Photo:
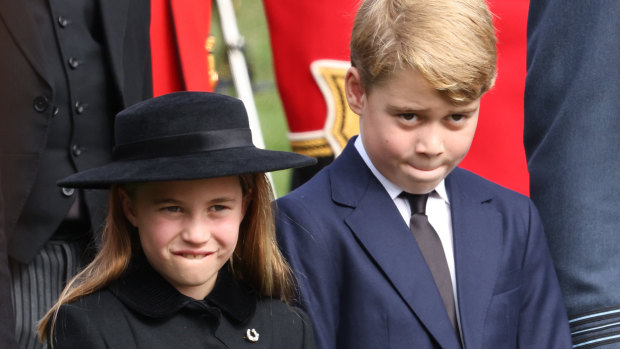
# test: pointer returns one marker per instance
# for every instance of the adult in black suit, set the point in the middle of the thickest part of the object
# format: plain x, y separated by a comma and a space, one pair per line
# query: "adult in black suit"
571, 140
67, 67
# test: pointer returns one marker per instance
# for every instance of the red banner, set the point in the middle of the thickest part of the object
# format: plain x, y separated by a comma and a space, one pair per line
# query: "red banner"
310, 44
180, 46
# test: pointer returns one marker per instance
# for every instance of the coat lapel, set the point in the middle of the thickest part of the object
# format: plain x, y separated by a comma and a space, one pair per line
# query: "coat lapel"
381, 231
114, 19
23, 28
477, 235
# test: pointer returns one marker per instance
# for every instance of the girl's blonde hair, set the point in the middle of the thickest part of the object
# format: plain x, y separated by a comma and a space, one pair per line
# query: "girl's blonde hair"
257, 261
450, 42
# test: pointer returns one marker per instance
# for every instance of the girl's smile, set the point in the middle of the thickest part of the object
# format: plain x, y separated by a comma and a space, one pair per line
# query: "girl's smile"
188, 229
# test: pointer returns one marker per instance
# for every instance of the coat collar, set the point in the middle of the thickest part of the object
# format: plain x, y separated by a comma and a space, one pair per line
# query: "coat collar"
476, 228
145, 291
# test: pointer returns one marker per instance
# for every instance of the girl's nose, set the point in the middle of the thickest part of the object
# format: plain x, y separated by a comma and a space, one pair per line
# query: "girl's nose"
196, 232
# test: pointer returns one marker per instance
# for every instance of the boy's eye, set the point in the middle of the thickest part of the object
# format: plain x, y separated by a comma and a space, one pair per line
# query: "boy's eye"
457, 117
408, 116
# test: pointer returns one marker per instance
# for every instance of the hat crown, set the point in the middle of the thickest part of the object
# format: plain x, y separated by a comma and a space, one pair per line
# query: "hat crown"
177, 114
183, 136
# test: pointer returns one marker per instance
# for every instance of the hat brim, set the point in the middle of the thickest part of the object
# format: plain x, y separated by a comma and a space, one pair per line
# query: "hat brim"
218, 163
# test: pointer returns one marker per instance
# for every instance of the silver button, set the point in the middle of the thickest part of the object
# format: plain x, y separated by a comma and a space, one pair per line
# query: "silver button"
74, 62
79, 107
63, 21
77, 151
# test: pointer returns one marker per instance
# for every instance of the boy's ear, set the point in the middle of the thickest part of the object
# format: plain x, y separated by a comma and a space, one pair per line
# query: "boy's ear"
354, 90
128, 208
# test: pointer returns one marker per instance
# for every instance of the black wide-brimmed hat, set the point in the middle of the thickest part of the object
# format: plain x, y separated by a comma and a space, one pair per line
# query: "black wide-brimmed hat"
183, 136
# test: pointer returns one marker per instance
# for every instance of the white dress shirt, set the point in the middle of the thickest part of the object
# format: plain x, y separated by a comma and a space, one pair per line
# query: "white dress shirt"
437, 210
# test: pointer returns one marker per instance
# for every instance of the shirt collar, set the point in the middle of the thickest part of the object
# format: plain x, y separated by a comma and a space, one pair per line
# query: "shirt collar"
144, 290
392, 189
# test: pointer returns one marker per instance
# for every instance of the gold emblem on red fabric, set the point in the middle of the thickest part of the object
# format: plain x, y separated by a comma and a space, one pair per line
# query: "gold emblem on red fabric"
340, 123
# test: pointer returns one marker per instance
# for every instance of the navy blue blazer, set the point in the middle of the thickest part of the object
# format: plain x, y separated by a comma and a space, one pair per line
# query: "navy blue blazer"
364, 282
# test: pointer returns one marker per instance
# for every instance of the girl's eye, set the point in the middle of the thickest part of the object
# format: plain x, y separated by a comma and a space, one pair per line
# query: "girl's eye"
217, 208
173, 209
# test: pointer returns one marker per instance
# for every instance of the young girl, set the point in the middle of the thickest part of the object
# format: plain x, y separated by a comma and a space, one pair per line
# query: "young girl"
188, 255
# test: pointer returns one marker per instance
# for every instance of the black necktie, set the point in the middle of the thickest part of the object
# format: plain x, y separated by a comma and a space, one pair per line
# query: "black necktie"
432, 250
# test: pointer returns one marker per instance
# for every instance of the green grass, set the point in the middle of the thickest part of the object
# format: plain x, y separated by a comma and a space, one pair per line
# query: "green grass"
252, 25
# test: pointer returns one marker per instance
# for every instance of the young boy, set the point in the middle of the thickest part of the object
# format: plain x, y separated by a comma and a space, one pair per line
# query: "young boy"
372, 272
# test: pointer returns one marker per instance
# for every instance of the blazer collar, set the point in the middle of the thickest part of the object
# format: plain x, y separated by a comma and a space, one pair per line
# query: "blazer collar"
381, 231
144, 290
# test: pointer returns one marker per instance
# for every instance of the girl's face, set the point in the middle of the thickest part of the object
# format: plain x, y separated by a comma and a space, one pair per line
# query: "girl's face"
188, 229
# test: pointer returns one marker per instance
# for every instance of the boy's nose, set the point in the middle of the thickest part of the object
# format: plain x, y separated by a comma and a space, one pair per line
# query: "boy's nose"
429, 142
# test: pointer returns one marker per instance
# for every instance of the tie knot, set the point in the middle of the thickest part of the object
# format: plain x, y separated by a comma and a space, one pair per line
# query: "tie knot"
417, 202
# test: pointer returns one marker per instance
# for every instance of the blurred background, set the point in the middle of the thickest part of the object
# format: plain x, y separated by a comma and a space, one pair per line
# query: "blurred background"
252, 25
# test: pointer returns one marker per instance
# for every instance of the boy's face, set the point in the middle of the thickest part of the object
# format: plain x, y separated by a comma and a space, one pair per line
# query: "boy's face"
188, 229
412, 135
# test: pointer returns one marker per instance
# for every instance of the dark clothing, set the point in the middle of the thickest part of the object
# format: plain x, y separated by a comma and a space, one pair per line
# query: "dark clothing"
142, 310
571, 137
37, 285
36, 104
67, 67
365, 283
7, 329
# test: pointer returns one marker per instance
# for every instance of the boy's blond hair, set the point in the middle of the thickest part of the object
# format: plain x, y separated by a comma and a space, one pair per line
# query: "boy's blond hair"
450, 42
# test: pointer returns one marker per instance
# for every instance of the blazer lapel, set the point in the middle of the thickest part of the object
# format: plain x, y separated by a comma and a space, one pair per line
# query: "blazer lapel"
382, 232
23, 28
477, 232
114, 20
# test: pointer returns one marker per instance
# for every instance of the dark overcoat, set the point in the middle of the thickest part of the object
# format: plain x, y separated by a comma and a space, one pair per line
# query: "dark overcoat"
142, 310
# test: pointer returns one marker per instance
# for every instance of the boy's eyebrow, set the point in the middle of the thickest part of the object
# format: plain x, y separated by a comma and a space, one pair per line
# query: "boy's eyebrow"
393, 109
465, 109
404, 109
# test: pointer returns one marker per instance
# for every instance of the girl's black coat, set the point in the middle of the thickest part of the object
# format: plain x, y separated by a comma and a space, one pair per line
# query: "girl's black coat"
142, 310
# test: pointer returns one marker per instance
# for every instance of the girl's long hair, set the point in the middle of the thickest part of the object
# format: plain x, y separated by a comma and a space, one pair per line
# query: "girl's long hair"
117, 242
256, 260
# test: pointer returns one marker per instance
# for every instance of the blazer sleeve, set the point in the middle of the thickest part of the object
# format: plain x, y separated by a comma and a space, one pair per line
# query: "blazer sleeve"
74, 328
543, 321
302, 238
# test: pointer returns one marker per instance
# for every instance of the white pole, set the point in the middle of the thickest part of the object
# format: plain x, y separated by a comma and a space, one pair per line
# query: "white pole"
239, 71
238, 66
